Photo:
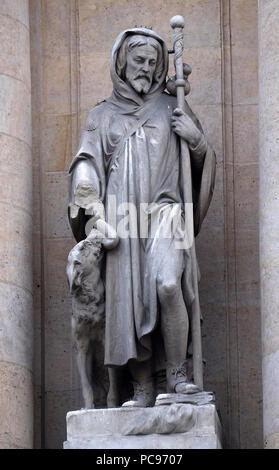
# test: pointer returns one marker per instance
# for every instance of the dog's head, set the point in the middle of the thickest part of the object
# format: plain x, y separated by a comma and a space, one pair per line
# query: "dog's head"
82, 260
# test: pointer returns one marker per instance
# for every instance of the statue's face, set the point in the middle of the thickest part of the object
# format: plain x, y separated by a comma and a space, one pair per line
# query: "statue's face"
140, 67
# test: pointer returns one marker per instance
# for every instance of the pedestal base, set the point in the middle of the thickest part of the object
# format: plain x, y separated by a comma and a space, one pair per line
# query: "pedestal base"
175, 426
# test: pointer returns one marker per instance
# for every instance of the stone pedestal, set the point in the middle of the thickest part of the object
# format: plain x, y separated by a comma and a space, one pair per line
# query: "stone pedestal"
175, 426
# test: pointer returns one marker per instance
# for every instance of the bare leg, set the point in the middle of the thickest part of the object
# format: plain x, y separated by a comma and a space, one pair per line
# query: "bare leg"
174, 323
175, 328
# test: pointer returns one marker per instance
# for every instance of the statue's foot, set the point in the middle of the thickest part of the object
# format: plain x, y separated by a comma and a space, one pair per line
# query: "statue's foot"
186, 387
177, 381
137, 404
143, 396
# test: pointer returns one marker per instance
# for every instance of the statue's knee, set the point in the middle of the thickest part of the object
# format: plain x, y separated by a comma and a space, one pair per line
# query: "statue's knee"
167, 290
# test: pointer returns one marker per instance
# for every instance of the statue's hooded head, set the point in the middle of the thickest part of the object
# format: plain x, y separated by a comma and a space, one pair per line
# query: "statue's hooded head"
139, 63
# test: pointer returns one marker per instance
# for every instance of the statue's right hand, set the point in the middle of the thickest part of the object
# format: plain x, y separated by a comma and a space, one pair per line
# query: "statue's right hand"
110, 243
111, 239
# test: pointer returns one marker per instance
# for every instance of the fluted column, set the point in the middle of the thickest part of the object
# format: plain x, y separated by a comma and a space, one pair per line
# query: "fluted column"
16, 310
269, 213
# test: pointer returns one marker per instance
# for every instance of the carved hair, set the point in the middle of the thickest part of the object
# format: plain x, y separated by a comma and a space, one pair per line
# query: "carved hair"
137, 40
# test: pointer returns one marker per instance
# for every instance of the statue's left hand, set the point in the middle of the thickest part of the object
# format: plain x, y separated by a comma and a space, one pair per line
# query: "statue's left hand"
183, 126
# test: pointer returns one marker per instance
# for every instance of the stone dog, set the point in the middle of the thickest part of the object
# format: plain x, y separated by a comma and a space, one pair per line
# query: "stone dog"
88, 310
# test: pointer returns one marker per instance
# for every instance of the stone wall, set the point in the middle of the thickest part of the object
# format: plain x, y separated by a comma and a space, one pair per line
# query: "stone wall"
16, 312
71, 42
269, 205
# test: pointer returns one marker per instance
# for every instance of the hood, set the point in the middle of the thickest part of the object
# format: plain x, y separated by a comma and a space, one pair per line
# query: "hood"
121, 90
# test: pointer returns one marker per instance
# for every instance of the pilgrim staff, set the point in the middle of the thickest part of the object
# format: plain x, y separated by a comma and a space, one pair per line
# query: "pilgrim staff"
177, 24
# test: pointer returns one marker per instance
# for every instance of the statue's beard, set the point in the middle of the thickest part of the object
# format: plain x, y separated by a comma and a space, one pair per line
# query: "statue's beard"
141, 84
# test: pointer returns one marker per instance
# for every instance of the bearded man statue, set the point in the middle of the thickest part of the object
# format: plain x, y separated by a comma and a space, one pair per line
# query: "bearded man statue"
130, 153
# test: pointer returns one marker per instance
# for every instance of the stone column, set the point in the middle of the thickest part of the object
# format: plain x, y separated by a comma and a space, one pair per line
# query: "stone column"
16, 310
269, 213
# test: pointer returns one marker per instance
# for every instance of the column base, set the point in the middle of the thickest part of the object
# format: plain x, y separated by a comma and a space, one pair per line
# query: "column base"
175, 426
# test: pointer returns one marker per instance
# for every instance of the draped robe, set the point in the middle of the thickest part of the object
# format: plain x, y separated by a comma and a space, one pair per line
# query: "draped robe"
132, 154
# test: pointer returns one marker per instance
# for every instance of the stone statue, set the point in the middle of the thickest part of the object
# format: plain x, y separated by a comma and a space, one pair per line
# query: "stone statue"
143, 156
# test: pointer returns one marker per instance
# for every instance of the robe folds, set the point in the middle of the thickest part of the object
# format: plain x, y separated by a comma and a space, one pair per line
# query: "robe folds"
132, 155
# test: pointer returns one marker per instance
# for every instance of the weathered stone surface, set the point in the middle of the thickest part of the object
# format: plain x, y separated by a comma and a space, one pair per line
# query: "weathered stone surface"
245, 85
244, 17
57, 404
15, 247
16, 311
16, 325
205, 79
13, 54
269, 207
175, 419
16, 9
16, 158
16, 406
16, 190
56, 85
58, 337
56, 185
246, 136
56, 21
15, 108
56, 140
180, 426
